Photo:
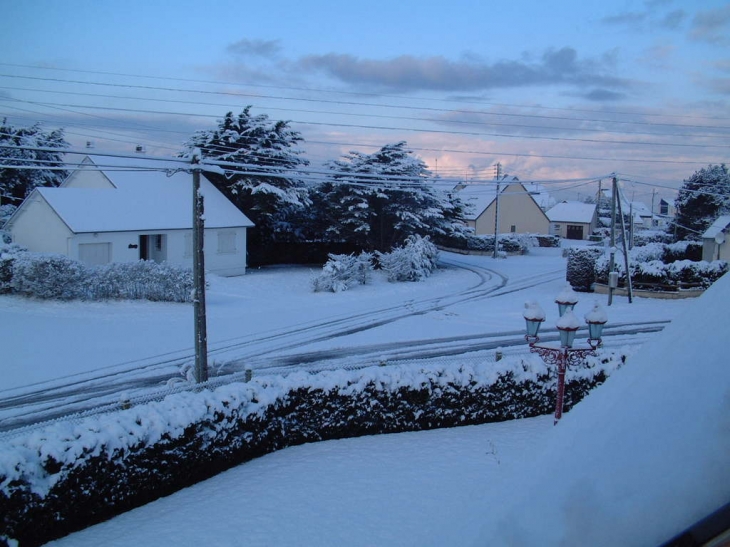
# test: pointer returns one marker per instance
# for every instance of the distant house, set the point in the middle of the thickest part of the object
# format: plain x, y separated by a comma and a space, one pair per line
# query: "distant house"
108, 212
715, 245
573, 220
519, 212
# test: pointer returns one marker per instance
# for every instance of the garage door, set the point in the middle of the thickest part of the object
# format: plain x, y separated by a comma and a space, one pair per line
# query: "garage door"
574, 232
95, 254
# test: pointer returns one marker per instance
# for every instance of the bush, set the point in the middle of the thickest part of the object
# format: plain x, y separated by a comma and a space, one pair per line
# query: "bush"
341, 272
581, 268
415, 261
49, 276
682, 250
58, 277
652, 236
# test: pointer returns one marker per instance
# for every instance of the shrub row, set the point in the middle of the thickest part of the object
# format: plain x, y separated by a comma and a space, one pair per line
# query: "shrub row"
70, 476
508, 243
658, 266
50, 276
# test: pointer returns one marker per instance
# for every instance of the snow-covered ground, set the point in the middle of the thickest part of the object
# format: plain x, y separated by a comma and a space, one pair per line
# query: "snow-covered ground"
608, 474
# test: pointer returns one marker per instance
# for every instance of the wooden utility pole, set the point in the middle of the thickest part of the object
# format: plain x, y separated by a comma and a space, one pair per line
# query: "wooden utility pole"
496, 210
200, 327
625, 249
612, 249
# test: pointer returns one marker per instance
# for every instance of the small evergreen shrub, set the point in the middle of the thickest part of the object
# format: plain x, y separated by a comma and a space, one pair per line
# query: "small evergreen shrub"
341, 272
415, 261
581, 267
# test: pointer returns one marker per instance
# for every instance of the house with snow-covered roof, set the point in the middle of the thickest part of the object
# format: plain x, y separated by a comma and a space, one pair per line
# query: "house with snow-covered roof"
519, 212
573, 220
124, 210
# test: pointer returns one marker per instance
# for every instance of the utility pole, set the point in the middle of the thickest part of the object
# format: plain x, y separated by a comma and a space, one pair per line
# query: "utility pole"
498, 168
200, 328
612, 249
625, 249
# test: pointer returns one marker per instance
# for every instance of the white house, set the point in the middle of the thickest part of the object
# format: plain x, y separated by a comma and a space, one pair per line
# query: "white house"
573, 220
519, 212
715, 244
111, 211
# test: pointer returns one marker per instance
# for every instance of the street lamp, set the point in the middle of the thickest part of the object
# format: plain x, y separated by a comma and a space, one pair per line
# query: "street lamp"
567, 325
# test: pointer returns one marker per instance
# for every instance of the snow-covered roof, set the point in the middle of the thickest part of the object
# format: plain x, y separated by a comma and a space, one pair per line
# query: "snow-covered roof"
572, 211
540, 194
716, 227
477, 197
142, 200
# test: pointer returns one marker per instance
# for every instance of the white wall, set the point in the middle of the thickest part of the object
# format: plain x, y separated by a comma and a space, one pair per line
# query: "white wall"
87, 178
39, 228
516, 208
125, 248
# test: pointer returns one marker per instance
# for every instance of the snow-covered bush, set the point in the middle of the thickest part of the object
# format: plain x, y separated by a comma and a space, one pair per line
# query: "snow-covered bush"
682, 250
49, 276
341, 272
652, 236
655, 274
508, 243
415, 261
71, 475
58, 277
581, 268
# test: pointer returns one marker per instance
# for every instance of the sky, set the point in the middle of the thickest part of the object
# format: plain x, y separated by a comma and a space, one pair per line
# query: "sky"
639, 88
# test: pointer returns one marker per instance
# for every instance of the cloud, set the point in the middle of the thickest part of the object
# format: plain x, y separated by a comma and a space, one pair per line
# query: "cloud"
652, 16
673, 20
720, 85
712, 26
604, 95
627, 18
255, 48
410, 73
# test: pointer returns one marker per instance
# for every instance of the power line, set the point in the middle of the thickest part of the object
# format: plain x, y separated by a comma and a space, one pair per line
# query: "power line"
370, 115
360, 93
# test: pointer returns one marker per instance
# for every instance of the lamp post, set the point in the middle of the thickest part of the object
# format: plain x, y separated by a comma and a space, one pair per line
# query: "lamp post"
567, 325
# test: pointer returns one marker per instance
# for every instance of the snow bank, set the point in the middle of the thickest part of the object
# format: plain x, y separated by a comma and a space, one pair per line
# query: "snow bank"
642, 458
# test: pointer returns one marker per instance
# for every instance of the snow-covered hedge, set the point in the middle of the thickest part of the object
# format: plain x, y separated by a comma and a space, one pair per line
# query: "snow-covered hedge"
51, 276
71, 475
508, 243
341, 272
645, 237
650, 269
414, 261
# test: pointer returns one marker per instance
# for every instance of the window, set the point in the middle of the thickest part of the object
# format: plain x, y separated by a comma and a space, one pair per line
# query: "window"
226, 242
188, 252
513, 228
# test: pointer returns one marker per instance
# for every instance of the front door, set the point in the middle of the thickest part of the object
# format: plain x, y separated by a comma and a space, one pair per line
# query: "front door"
153, 247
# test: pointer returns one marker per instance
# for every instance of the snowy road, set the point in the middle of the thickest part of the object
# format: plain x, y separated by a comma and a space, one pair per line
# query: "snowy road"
462, 309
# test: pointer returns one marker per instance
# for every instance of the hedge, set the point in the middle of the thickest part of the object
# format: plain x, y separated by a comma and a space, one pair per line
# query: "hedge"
70, 476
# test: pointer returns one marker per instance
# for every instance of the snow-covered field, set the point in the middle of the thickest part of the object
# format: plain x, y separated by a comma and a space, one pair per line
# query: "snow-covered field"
607, 475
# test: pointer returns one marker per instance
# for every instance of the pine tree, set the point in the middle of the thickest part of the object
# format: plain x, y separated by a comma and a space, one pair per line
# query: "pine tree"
701, 199
377, 200
15, 183
264, 188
